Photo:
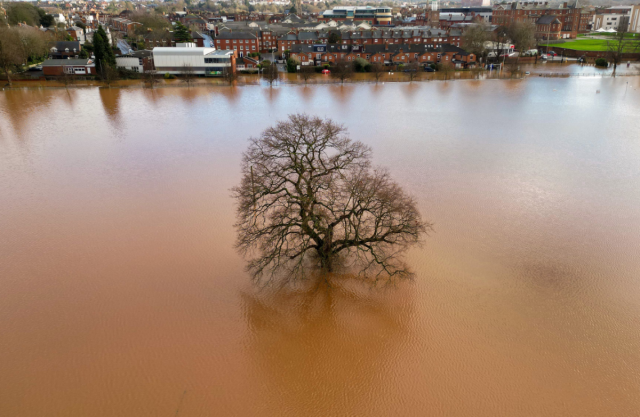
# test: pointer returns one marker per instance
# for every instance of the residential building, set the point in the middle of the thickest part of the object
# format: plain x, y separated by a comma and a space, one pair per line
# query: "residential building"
247, 64
77, 34
57, 67
242, 42
383, 54
66, 49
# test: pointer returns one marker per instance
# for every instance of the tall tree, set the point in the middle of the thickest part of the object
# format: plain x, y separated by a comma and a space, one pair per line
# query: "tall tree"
22, 12
11, 51
102, 51
621, 44
475, 38
309, 196
500, 40
181, 33
522, 34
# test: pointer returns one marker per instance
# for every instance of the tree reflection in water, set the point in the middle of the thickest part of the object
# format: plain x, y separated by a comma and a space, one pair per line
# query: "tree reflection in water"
327, 348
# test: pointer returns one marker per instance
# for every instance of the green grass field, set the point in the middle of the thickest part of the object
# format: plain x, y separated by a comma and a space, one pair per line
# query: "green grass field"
592, 45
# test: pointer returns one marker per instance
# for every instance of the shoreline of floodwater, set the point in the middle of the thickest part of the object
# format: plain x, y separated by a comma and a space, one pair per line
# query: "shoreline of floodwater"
294, 79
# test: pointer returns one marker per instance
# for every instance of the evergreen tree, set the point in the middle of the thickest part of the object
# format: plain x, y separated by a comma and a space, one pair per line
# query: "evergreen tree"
181, 33
102, 50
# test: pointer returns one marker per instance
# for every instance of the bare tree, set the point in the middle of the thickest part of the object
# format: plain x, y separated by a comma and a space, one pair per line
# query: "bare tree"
620, 44
307, 72
412, 69
11, 51
270, 73
446, 69
500, 40
188, 75
151, 78
522, 34
310, 197
475, 38
34, 43
377, 69
342, 70
109, 75
229, 75
66, 79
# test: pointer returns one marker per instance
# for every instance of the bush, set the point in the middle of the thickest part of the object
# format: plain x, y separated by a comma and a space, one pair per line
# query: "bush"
292, 64
601, 62
360, 64
168, 76
265, 63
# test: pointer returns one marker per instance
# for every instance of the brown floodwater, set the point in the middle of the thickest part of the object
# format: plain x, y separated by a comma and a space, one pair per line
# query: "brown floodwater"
121, 293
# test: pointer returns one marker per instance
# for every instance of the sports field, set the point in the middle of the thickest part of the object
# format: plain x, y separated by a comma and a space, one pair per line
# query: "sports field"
593, 45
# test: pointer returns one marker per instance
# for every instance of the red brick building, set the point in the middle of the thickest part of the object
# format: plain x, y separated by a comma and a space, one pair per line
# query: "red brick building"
569, 16
382, 54
244, 43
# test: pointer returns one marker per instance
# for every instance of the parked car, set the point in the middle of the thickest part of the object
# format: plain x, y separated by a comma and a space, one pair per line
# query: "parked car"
544, 56
326, 71
582, 59
427, 68
552, 54
410, 70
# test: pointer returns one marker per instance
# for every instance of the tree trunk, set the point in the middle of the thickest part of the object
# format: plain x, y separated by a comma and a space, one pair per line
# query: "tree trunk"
6, 71
325, 253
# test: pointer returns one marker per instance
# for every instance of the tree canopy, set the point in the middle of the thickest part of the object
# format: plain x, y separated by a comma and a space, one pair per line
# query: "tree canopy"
181, 33
310, 197
102, 50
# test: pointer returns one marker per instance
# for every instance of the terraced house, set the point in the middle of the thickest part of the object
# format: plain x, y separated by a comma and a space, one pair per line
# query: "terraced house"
383, 54
242, 42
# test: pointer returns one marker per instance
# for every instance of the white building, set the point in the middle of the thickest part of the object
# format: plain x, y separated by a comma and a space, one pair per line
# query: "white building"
202, 61
134, 61
634, 23
612, 18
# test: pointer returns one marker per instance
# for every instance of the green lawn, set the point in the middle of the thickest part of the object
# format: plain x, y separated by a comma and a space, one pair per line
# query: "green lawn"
592, 45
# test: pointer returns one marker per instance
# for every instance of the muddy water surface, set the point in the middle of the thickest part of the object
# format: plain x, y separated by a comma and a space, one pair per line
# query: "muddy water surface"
121, 293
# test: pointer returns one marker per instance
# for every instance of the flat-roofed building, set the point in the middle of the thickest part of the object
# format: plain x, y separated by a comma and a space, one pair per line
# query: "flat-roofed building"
369, 14
200, 61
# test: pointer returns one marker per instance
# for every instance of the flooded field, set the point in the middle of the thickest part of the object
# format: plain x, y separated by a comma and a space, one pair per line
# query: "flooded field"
121, 293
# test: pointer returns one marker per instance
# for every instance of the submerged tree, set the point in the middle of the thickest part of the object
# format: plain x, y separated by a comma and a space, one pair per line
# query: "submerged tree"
309, 197
620, 44
342, 70
270, 73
